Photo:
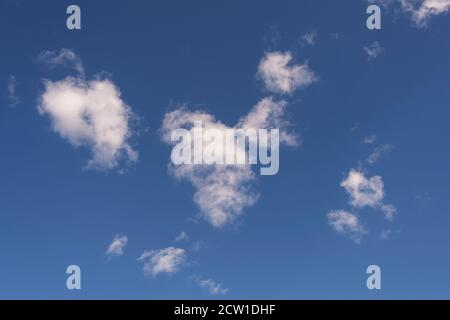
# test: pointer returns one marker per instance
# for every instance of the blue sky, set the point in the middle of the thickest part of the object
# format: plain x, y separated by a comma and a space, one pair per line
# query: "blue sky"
55, 211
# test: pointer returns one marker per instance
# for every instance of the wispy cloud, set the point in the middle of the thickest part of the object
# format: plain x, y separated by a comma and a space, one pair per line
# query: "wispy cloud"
168, 260
385, 234
377, 153
212, 286
12, 95
182, 237
369, 139
346, 224
424, 197
355, 127
223, 191
373, 50
117, 246
308, 38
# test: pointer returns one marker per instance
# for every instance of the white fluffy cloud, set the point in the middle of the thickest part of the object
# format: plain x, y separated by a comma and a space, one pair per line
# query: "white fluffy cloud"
279, 76
91, 114
223, 191
346, 223
373, 50
421, 10
367, 192
168, 260
212, 286
64, 57
117, 246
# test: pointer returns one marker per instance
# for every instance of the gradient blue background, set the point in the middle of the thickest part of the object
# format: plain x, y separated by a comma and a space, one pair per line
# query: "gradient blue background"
205, 53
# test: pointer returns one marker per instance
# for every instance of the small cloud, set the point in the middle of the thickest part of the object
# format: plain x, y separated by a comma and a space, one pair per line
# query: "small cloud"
377, 152
168, 260
279, 76
12, 88
308, 38
354, 127
347, 224
117, 246
363, 191
370, 139
421, 11
64, 57
182, 237
389, 211
387, 234
222, 192
272, 37
374, 50
367, 192
212, 286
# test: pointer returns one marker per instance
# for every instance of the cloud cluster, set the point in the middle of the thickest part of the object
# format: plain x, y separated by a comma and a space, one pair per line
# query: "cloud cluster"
369, 139
363, 192
183, 236
279, 76
168, 260
117, 246
224, 191
90, 114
